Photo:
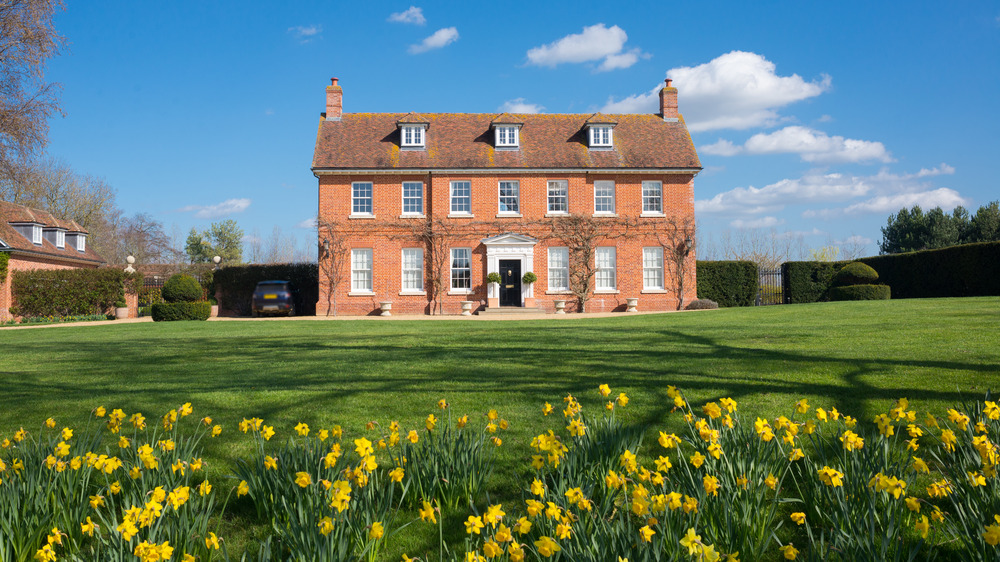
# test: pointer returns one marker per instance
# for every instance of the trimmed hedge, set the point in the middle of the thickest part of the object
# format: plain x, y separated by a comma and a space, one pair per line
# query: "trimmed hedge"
68, 292
171, 311
860, 293
969, 270
235, 285
182, 288
729, 283
855, 273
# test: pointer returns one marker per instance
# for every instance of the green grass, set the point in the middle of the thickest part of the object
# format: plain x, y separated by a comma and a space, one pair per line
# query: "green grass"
857, 356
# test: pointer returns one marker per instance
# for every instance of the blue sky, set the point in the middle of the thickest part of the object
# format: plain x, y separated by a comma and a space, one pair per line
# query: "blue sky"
813, 121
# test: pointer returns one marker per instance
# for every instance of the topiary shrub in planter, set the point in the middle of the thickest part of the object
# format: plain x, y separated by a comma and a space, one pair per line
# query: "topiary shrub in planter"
855, 273
182, 288
170, 311
860, 293
702, 304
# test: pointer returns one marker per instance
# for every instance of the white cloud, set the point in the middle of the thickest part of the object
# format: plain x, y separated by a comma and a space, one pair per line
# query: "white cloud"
774, 197
518, 105
440, 38
737, 90
594, 43
942, 197
762, 222
305, 33
825, 119
943, 169
811, 145
308, 224
227, 207
854, 239
412, 15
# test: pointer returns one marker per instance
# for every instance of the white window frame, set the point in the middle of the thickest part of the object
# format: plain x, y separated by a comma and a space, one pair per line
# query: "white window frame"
412, 271
36, 234
516, 198
464, 254
419, 198
81, 242
60, 239
467, 198
412, 136
605, 261
652, 197
601, 136
558, 255
562, 185
362, 266
652, 268
601, 199
507, 136
358, 202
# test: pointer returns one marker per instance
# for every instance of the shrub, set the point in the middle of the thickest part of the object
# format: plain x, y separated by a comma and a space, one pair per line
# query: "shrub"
529, 278
170, 311
729, 283
235, 284
807, 281
493, 277
860, 293
67, 292
855, 273
182, 288
702, 304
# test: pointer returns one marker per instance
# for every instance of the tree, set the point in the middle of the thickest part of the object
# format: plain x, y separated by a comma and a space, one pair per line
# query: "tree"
27, 40
223, 239
678, 239
912, 230
334, 260
985, 224
766, 248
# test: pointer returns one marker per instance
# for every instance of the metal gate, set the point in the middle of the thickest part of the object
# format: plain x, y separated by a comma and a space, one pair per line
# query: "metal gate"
770, 289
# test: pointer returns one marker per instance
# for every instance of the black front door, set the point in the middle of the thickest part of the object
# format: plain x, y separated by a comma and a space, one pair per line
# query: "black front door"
510, 282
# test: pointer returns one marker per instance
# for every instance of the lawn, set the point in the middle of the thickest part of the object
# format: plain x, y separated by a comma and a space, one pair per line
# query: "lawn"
859, 357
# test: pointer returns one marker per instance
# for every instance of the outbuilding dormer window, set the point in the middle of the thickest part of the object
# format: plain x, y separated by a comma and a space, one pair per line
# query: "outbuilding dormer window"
506, 136
60, 239
413, 136
81, 242
601, 136
36, 234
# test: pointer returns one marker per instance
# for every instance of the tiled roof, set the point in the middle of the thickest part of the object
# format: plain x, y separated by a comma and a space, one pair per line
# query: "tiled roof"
12, 240
465, 140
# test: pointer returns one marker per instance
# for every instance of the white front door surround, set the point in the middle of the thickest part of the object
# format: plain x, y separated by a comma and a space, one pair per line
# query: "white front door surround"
510, 246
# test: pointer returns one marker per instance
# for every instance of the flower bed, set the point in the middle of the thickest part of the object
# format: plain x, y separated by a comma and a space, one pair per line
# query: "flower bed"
816, 484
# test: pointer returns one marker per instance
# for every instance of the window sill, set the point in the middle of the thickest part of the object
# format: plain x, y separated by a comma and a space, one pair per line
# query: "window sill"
506, 147
556, 214
602, 147
412, 216
361, 294
413, 147
461, 216
606, 292
365, 216
459, 292
558, 292
509, 215
412, 293
650, 214
653, 292
606, 215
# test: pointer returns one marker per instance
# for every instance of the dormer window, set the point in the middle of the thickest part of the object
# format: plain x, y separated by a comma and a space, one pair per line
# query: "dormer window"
506, 136
81, 242
36, 234
601, 136
413, 136
60, 239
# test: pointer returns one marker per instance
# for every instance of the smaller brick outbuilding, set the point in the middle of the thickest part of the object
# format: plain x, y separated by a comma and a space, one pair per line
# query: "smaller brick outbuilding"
35, 239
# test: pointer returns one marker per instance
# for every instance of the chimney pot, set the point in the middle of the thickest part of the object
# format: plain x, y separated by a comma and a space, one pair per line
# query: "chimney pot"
333, 81
668, 81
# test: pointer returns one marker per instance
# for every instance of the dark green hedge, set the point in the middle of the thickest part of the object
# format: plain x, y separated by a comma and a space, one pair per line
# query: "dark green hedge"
235, 285
855, 273
969, 270
182, 288
729, 283
170, 311
68, 292
860, 293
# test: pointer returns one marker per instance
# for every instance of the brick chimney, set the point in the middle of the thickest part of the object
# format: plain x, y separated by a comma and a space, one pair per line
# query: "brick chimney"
335, 101
668, 102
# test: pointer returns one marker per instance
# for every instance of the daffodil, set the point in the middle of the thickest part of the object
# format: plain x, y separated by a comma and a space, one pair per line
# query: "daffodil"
546, 546
799, 517
691, 541
789, 552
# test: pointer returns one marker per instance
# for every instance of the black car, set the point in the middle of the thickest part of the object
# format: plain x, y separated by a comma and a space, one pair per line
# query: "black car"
274, 297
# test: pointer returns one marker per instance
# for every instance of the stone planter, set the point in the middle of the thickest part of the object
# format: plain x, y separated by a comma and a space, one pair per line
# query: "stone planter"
215, 311
466, 308
631, 303
560, 307
121, 312
386, 307
529, 302
493, 302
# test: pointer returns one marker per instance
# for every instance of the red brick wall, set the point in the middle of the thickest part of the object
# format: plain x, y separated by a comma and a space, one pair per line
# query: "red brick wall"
335, 206
19, 262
